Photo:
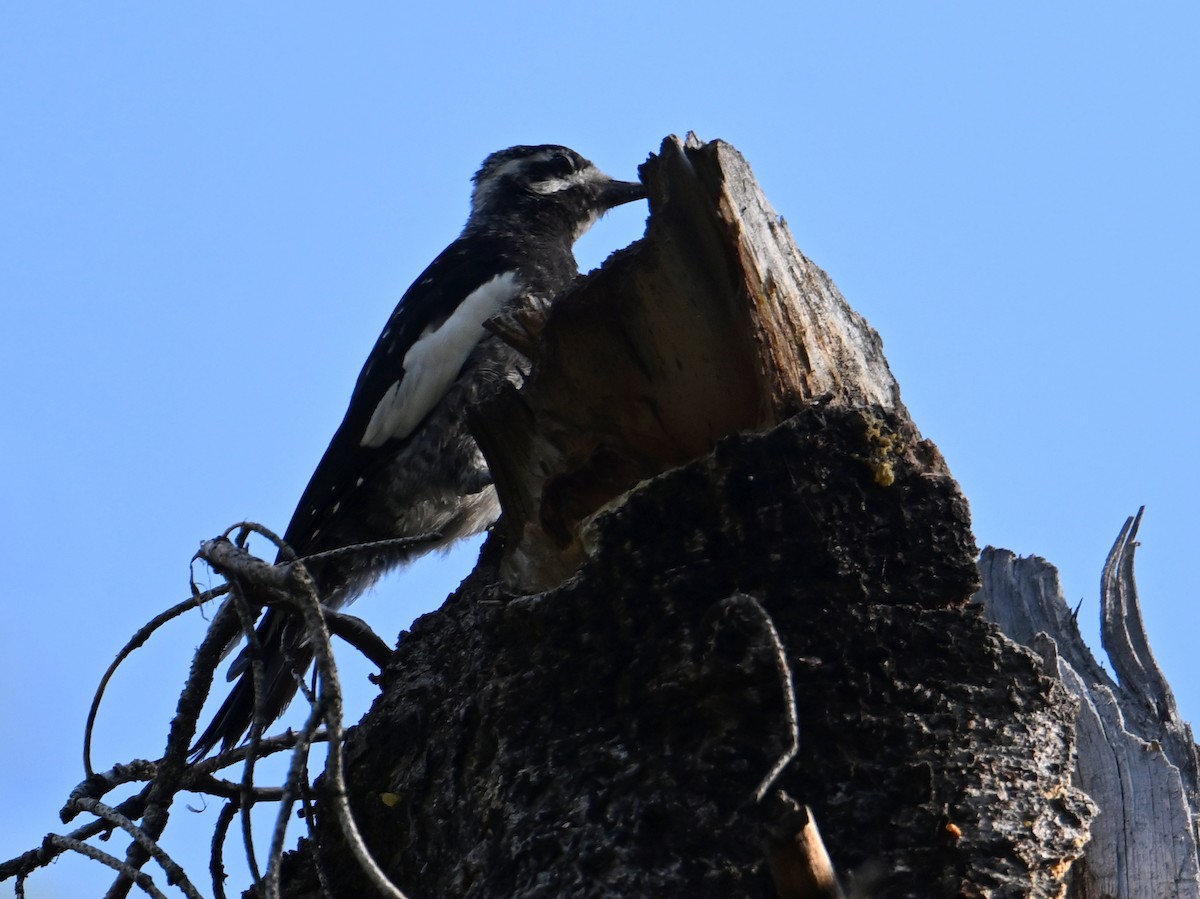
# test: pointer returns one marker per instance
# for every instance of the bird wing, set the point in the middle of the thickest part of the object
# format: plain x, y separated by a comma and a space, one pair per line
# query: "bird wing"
432, 363
418, 355
420, 352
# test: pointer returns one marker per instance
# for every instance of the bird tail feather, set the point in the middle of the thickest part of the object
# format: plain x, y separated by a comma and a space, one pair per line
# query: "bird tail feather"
284, 659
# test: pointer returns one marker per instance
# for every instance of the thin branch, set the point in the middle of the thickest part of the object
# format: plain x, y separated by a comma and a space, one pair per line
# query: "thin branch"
330, 696
135, 642
216, 863
287, 584
98, 785
258, 682
197, 779
789, 695
227, 789
296, 775
246, 528
129, 874
358, 634
314, 840
175, 874
357, 549
30, 861
266, 746
310, 609
183, 727
273, 583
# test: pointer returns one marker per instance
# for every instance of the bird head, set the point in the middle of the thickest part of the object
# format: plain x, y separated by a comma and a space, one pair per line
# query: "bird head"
544, 188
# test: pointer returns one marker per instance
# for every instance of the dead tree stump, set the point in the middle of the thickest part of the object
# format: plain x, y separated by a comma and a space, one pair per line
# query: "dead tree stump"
709, 451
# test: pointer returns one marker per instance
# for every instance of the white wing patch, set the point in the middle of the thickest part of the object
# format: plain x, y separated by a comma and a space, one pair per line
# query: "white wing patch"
434, 361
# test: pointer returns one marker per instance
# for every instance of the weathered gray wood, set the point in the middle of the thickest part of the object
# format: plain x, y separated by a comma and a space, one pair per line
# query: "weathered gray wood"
1136, 757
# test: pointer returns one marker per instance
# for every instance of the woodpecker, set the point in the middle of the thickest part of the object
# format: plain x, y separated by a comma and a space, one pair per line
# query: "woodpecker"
403, 463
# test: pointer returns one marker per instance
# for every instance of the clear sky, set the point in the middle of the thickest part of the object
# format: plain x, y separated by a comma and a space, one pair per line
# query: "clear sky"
209, 211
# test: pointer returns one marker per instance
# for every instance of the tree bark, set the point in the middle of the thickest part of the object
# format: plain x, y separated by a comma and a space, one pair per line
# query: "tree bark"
1137, 757
710, 461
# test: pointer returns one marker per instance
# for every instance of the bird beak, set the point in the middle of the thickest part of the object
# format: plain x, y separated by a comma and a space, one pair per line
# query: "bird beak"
616, 193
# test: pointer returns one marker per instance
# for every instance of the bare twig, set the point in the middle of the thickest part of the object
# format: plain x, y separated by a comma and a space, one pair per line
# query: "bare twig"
197, 779
357, 549
240, 567
789, 695
330, 698
175, 874
300, 596
174, 761
129, 873
287, 584
135, 642
358, 634
227, 789
314, 841
325, 704
97, 785
293, 586
231, 559
248, 617
297, 775
216, 863
30, 861
266, 746
246, 528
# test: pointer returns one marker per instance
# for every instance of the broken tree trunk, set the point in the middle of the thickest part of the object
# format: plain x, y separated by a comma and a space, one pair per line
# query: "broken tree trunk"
719, 523
1136, 756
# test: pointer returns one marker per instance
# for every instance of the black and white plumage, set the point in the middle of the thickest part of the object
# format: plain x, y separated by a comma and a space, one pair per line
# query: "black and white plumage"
403, 463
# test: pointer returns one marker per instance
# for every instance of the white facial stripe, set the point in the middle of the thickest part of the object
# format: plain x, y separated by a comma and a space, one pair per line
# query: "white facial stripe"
434, 361
485, 187
554, 185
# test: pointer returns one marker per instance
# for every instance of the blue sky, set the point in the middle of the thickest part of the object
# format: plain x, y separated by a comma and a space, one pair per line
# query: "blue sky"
209, 212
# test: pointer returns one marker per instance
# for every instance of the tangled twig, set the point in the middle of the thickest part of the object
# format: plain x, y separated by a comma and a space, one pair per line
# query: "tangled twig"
335, 768
174, 873
129, 873
289, 586
136, 641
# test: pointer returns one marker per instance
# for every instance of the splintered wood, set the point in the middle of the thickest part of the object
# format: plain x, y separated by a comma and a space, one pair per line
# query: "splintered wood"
713, 323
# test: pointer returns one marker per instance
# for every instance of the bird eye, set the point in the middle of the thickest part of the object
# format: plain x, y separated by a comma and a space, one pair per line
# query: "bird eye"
562, 164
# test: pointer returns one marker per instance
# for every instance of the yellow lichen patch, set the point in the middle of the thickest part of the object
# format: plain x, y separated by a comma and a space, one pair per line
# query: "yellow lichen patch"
885, 474
884, 448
